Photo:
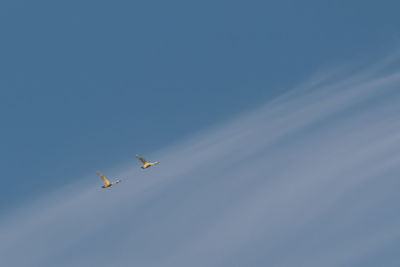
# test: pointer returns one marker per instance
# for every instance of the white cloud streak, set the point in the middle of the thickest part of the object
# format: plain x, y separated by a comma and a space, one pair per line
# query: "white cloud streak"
309, 179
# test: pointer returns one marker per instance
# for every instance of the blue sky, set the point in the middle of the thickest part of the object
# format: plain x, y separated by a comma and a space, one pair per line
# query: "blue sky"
85, 85
309, 179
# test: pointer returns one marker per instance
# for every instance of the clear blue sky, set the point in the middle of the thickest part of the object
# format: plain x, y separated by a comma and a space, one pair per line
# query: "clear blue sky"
88, 84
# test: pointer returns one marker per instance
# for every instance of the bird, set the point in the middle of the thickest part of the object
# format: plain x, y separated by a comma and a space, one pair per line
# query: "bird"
146, 164
107, 183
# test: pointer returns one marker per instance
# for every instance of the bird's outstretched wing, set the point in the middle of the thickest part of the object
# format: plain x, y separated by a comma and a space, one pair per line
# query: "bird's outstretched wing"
105, 180
116, 182
141, 159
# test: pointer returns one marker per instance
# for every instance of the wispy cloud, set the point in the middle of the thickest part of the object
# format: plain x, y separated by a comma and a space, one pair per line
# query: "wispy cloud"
308, 179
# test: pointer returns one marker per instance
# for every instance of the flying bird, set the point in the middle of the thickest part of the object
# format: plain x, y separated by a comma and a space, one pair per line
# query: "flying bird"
146, 164
107, 183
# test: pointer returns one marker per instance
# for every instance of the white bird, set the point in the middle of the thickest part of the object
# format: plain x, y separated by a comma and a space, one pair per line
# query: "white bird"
146, 164
107, 183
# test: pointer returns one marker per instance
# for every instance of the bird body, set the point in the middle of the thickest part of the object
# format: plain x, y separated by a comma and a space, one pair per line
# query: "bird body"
107, 183
146, 164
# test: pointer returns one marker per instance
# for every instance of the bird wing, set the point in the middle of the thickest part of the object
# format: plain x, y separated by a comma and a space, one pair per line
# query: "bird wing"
116, 182
141, 159
105, 180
